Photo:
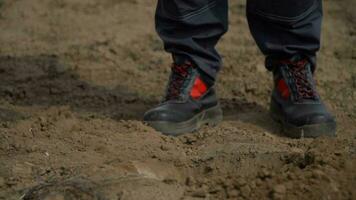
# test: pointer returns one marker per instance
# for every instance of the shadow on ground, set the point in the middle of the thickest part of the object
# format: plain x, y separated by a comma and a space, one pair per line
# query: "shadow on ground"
46, 81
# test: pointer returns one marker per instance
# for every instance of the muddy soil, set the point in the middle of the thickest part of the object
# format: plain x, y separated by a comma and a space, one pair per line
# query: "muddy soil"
77, 75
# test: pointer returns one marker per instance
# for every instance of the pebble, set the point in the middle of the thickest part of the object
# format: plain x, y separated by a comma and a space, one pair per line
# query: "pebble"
241, 182
317, 174
281, 189
164, 148
232, 193
11, 181
259, 182
2, 181
245, 191
264, 174
279, 192
189, 181
199, 193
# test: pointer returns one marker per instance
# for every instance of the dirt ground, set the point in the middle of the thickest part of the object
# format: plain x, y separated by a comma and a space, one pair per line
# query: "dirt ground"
76, 77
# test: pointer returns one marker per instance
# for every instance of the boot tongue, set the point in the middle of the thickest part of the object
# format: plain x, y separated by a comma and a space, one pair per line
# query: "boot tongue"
180, 75
296, 58
181, 70
300, 71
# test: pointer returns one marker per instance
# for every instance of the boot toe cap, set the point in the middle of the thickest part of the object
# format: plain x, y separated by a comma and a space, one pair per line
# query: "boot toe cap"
163, 115
312, 119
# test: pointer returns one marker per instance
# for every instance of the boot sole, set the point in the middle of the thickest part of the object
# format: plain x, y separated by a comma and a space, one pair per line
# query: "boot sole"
306, 131
211, 117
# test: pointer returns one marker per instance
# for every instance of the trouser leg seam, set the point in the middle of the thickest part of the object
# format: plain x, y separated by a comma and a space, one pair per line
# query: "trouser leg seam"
283, 18
192, 14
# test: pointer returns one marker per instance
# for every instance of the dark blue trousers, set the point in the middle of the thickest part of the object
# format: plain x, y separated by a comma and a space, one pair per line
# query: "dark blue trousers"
190, 29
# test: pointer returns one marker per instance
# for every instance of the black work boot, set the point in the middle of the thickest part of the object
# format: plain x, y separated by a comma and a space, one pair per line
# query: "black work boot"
190, 102
295, 102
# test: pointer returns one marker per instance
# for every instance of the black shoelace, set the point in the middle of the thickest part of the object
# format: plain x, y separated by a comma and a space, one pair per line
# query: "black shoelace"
303, 85
178, 77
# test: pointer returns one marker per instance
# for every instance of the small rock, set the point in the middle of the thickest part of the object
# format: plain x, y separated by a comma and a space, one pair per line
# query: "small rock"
199, 193
214, 190
259, 182
264, 174
189, 181
241, 182
190, 140
317, 174
245, 191
170, 181
208, 169
280, 189
279, 192
11, 181
337, 153
232, 193
253, 184
164, 148
261, 68
2, 182
353, 77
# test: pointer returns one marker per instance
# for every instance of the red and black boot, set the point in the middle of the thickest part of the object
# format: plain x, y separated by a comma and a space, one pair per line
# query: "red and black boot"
190, 102
295, 102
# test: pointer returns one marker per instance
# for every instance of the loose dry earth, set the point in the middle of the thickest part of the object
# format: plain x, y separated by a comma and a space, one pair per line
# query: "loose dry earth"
77, 75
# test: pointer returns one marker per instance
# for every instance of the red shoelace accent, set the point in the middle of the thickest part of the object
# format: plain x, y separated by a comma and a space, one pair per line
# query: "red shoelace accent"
303, 84
177, 79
